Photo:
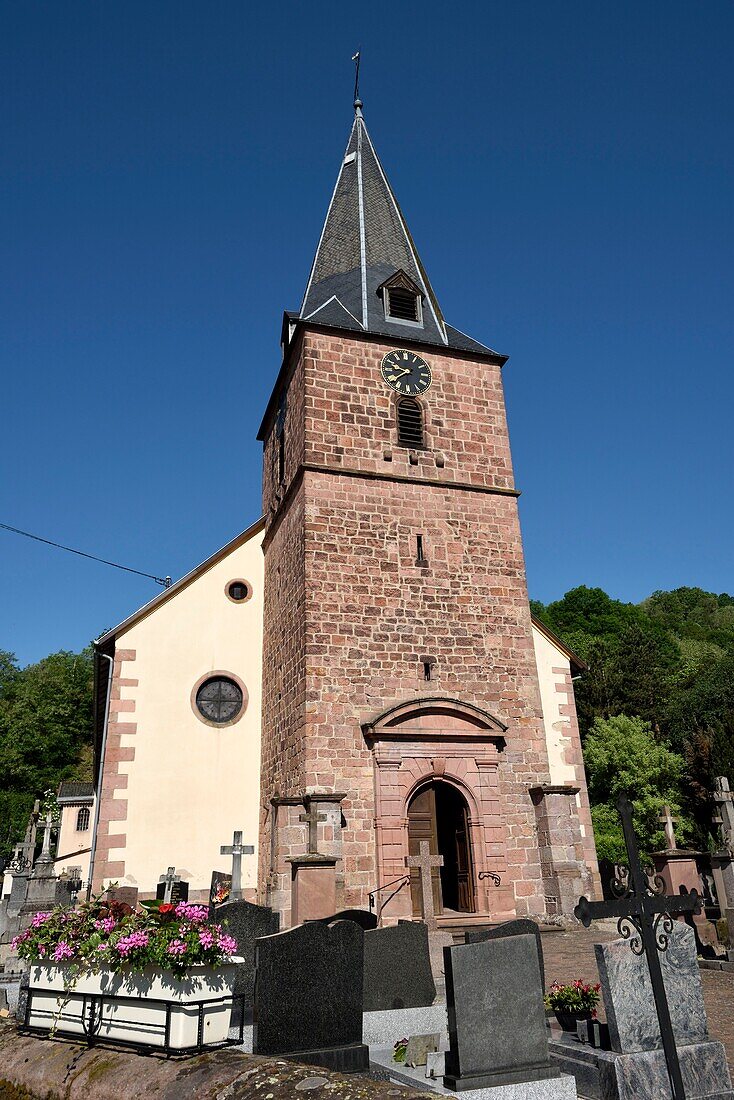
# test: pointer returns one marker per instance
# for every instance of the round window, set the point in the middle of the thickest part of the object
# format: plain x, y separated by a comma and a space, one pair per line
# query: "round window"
238, 591
219, 700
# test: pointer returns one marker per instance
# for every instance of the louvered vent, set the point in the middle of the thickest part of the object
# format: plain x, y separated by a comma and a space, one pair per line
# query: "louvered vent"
410, 423
402, 304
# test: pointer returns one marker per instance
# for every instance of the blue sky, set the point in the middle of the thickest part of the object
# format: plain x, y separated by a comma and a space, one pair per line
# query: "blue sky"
566, 171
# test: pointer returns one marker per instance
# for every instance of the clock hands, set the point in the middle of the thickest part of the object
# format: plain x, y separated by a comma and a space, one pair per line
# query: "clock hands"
400, 371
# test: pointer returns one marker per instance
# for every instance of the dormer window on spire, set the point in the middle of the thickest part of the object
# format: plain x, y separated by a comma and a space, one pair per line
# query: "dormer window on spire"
402, 300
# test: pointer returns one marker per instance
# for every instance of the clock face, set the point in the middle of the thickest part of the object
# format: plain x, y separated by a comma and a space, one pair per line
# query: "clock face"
406, 373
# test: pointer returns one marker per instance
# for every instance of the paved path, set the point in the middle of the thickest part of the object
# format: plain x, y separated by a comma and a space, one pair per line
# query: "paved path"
570, 955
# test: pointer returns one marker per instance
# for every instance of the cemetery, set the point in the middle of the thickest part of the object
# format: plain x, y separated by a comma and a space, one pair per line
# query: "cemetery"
358, 1000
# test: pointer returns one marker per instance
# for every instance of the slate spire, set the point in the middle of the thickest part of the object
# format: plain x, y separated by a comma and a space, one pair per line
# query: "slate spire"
365, 243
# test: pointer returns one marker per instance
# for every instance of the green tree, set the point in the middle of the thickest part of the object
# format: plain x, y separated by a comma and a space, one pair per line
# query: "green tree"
45, 728
623, 756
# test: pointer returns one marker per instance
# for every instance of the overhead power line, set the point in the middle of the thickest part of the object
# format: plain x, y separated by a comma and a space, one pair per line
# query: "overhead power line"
165, 582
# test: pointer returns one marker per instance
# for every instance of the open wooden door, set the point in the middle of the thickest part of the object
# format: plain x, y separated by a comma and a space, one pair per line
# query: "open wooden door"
422, 826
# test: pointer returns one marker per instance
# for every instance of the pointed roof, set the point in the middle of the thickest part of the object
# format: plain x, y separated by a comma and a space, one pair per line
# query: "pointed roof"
365, 241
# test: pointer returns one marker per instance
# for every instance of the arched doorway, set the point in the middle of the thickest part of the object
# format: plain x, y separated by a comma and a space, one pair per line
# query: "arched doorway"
439, 813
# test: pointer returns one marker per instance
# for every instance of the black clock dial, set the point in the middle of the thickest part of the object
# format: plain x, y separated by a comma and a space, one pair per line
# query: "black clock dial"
406, 373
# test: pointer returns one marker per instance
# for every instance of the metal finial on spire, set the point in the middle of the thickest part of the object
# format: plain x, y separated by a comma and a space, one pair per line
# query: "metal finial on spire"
357, 100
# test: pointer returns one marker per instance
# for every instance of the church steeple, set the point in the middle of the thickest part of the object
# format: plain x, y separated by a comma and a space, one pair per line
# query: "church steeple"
367, 275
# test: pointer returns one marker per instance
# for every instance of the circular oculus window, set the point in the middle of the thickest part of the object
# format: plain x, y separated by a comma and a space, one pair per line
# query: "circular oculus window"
219, 700
238, 591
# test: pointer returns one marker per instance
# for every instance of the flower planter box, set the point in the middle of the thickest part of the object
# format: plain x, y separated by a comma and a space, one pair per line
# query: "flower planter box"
154, 1008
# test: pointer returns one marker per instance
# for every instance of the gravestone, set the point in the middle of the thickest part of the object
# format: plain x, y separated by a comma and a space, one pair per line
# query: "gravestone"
419, 1047
520, 927
128, 895
246, 923
363, 917
627, 993
236, 850
397, 968
497, 1030
20, 1008
635, 1066
308, 996
172, 888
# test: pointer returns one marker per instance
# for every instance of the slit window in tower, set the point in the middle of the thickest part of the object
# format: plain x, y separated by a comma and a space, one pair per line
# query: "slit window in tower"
420, 557
427, 671
410, 423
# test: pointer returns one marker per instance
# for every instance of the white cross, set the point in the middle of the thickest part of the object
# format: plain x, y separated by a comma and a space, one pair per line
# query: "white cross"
668, 821
236, 850
426, 862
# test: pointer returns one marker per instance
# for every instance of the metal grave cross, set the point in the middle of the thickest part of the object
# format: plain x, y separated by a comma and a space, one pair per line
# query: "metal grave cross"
236, 850
667, 820
724, 799
644, 917
171, 879
426, 862
313, 817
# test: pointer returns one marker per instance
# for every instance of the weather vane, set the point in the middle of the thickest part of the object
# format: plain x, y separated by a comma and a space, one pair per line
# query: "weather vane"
357, 100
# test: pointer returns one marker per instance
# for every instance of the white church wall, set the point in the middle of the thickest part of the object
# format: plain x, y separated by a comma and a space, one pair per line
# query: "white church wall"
557, 725
74, 845
191, 784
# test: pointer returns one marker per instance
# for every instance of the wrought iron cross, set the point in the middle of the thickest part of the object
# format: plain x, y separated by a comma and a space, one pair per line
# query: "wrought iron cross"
426, 862
236, 850
313, 817
171, 879
644, 917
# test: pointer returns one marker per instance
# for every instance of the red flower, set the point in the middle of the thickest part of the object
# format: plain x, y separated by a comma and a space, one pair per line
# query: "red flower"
166, 908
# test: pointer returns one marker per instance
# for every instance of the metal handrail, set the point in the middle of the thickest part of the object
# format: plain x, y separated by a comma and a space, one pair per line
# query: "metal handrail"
403, 881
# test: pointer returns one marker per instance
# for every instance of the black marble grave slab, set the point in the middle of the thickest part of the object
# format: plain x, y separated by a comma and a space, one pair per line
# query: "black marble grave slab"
497, 1029
520, 927
246, 923
308, 995
397, 967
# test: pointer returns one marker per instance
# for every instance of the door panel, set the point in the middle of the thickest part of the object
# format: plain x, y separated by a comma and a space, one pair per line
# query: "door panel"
422, 826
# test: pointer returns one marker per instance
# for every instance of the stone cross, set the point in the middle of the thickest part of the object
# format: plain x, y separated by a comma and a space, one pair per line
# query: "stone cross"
724, 800
171, 879
644, 918
313, 817
668, 821
48, 826
236, 850
426, 862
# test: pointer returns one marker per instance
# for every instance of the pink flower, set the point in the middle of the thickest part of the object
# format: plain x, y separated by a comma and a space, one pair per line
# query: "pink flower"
39, 919
197, 914
227, 944
63, 951
105, 925
126, 944
206, 937
176, 947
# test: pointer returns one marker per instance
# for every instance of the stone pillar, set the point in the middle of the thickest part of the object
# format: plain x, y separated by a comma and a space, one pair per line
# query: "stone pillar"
313, 887
565, 874
678, 870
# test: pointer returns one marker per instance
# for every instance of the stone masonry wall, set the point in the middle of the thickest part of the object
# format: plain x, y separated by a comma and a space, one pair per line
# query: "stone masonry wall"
351, 618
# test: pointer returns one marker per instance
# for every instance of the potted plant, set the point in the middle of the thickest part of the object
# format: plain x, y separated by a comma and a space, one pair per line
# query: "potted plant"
571, 1003
158, 976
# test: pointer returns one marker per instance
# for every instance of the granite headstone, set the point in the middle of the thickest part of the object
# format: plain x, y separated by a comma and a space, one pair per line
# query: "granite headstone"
520, 927
497, 1029
246, 923
397, 967
363, 917
308, 996
628, 999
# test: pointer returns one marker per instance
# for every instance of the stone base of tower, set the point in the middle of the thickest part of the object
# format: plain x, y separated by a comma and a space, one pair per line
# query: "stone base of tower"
566, 875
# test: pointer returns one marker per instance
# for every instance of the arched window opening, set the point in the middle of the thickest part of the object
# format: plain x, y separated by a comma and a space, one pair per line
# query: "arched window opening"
410, 423
82, 820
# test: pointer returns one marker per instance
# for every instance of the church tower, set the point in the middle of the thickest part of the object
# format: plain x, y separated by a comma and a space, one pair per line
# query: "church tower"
401, 698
